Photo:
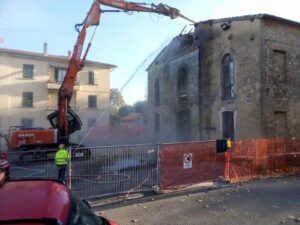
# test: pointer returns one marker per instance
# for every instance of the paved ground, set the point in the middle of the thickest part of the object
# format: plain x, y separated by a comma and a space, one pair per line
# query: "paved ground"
266, 202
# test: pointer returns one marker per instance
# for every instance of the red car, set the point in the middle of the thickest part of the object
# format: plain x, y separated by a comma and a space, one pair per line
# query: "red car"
44, 202
4, 167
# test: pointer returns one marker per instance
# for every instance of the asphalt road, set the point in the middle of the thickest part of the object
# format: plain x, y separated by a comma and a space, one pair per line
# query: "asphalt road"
265, 202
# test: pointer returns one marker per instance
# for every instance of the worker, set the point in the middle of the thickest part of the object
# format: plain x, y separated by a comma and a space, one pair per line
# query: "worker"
61, 161
228, 143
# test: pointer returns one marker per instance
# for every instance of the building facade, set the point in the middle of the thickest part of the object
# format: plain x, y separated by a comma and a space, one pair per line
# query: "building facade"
29, 84
235, 77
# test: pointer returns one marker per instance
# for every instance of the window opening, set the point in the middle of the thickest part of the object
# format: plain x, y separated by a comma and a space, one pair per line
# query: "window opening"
228, 124
28, 71
91, 77
227, 77
60, 74
27, 99
157, 94
92, 101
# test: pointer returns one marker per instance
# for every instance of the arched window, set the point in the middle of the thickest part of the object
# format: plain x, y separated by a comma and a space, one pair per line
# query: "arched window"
227, 77
182, 82
156, 92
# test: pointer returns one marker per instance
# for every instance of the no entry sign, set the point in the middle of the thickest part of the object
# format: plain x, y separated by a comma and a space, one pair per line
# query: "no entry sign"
187, 160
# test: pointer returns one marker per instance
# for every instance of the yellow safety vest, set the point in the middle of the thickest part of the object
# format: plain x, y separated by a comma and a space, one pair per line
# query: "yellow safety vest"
228, 143
61, 157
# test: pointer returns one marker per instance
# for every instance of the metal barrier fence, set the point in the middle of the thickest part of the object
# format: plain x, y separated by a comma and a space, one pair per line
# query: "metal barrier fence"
109, 170
125, 169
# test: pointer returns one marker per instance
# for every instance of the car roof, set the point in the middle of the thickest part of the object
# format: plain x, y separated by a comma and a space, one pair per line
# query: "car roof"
3, 162
34, 199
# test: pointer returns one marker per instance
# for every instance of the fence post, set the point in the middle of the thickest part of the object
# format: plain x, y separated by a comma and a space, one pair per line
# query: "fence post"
227, 160
226, 167
70, 168
158, 166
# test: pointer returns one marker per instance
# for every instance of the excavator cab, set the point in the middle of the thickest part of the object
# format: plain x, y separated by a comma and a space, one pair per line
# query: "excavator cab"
74, 121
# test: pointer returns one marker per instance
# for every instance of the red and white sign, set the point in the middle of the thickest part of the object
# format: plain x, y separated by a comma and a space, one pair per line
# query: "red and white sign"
187, 161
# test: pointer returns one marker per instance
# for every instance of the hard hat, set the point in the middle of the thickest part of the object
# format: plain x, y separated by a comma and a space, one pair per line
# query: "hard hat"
61, 146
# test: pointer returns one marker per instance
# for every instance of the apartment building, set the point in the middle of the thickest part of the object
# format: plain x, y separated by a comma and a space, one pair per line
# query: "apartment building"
29, 84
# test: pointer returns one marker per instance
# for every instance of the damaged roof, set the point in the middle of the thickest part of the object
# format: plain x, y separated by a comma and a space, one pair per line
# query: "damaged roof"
180, 45
174, 48
250, 17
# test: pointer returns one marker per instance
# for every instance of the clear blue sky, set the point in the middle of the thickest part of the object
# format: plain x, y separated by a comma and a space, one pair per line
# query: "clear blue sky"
121, 39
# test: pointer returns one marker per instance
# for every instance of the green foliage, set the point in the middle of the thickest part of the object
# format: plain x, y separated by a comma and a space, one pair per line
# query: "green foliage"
125, 110
116, 98
140, 107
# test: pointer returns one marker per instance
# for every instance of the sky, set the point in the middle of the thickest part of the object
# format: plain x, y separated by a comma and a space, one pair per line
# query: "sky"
130, 42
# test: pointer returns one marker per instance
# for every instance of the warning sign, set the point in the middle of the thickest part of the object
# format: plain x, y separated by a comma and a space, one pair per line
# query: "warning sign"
187, 161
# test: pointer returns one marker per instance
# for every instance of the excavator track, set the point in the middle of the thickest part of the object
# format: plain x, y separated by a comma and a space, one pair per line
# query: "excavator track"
36, 156
78, 152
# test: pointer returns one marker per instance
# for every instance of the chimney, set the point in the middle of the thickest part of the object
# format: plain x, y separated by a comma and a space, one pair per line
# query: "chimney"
45, 48
69, 54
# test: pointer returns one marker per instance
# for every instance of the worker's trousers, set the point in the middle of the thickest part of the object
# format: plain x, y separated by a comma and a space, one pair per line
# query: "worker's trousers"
62, 172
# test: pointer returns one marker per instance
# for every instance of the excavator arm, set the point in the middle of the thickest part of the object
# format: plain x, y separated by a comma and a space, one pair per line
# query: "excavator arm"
64, 119
161, 9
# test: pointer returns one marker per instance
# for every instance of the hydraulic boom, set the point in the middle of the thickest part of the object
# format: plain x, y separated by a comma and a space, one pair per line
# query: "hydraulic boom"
64, 119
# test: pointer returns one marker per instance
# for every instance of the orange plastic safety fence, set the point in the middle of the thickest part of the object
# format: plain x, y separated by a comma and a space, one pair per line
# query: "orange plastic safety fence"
261, 158
183, 164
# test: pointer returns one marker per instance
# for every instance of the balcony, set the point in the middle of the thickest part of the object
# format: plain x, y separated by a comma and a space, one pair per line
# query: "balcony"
55, 85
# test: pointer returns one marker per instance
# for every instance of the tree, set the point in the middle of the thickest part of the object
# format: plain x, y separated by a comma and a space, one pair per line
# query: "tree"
116, 102
116, 98
140, 107
125, 110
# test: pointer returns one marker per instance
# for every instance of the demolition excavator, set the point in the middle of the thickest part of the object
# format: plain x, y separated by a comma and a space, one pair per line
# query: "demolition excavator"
64, 120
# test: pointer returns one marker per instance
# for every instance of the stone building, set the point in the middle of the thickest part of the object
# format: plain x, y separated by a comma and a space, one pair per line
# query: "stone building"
29, 84
234, 77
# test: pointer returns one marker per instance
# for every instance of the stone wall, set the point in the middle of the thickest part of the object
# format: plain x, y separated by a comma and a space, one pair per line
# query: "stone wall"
281, 101
266, 73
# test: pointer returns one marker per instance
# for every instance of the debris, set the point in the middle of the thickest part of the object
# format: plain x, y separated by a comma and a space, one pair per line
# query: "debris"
134, 220
206, 206
297, 220
101, 213
291, 217
199, 200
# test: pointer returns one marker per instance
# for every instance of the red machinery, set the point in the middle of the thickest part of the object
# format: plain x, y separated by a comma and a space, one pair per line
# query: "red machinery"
64, 121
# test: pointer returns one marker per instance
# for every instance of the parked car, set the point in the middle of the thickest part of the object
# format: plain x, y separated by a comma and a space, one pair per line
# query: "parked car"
41, 201
4, 167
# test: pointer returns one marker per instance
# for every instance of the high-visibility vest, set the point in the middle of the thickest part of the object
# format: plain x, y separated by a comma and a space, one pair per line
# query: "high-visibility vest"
61, 157
228, 143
